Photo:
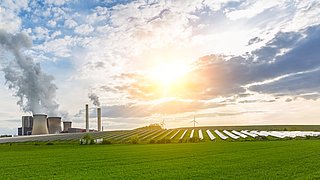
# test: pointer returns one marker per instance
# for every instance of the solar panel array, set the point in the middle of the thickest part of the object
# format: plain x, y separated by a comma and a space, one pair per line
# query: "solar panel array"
174, 135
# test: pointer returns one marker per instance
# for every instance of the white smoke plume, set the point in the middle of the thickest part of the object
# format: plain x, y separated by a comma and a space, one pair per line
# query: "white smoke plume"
34, 88
94, 98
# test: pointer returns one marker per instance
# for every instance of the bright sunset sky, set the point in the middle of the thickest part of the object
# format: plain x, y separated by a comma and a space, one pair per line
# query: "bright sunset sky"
233, 62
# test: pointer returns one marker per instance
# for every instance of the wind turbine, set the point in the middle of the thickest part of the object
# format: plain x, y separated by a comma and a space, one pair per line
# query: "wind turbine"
194, 120
162, 124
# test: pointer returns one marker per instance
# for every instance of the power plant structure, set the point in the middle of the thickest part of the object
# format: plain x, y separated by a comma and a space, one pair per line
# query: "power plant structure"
54, 125
67, 125
27, 123
41, 124
99, 118
87, 118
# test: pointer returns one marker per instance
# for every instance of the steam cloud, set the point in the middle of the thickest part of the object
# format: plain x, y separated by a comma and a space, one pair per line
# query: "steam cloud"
94, 98
33, 87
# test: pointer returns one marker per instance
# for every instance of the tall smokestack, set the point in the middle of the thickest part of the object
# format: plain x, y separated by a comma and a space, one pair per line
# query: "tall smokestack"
99, 118
87, 118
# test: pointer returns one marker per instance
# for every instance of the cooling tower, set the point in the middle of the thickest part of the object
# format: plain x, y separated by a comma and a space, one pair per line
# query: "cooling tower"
27, 122
54, 125
66, 125
39, 124
99, 118
87, 118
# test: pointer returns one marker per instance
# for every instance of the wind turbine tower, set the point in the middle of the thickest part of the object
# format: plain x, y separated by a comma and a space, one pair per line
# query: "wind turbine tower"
163, 124
194, 120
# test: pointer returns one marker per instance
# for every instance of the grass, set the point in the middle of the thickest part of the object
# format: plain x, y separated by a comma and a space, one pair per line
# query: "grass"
293, 159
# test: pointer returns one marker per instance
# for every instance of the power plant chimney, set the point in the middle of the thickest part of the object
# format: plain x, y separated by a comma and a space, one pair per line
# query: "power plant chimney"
39, 124
87, 118
99, 118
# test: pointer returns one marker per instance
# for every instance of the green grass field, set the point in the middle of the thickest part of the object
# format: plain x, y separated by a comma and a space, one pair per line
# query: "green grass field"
293, 159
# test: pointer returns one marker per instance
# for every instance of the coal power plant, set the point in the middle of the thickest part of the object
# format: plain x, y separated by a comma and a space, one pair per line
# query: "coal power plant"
35, 89
99, 124
27, 123
54, 125
39, 124
67, 125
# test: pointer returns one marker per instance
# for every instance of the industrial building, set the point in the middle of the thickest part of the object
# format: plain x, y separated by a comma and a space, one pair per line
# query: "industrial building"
87, 119
27, 123
41, 124
66, 125
54, 125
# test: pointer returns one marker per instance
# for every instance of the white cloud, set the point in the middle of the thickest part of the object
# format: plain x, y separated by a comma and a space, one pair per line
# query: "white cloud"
84, 29
15, 5
9, 20
218, 4
70, 23
251, 9
41, 33
98, 14
9, 10
57, 2
55, 34
59, 47
58, 13
52, 23
307, 14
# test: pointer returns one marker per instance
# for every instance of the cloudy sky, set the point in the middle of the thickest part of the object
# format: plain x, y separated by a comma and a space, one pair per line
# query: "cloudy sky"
230, 62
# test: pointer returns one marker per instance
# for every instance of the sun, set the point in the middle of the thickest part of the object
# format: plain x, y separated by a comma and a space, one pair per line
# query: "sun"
168, 73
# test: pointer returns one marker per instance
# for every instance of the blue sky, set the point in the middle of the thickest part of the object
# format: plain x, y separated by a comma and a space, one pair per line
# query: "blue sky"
233, 62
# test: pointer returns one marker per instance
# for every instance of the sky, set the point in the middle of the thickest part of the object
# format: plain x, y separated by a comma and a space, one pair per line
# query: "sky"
227, 62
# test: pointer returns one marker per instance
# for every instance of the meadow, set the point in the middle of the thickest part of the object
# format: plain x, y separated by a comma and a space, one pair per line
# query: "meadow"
291, 159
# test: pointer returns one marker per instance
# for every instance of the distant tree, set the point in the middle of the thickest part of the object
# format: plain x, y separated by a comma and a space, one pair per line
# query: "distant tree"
105, 141
153, 126
134, 140
152, 141
3, 136
87, 139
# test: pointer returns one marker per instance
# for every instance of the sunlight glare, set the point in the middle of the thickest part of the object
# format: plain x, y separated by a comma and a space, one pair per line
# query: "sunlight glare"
168, 73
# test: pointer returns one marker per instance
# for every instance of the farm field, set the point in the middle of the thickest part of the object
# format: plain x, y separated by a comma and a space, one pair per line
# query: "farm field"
149, 135
215, 160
